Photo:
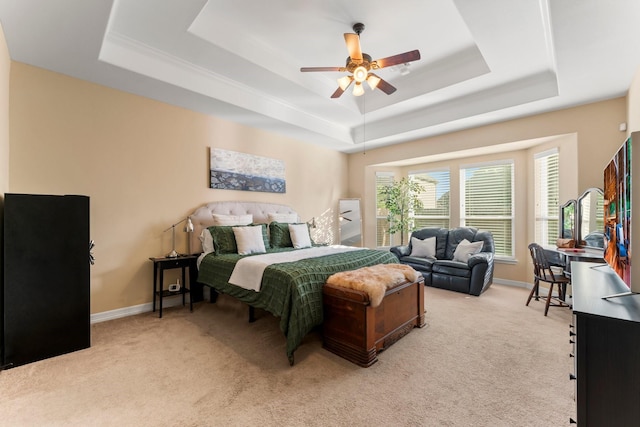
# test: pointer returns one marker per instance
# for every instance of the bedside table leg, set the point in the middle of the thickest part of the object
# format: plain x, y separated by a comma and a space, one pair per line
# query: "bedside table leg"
155, 285
160, 290
184, 284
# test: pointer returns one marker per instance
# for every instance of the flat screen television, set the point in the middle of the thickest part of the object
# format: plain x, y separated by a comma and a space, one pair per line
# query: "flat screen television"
620, 184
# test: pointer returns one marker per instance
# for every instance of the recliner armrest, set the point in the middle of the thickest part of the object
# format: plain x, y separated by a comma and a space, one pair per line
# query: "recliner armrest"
480, 258
400, 251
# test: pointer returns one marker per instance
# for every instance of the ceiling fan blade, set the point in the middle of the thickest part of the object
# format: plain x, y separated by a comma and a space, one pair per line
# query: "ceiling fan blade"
385, 86
343, 84
307, 69
338, 93
353, 46
401, 58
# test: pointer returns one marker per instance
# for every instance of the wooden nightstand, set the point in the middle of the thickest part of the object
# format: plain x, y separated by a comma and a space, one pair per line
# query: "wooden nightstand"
163, 263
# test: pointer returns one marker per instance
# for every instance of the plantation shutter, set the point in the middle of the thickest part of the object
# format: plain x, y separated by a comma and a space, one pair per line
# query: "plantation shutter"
382, 223
547, 192
487, 202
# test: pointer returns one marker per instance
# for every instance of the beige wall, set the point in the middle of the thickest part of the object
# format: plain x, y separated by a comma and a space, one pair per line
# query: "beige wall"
5, 67
144, 165
589, 135
633, 105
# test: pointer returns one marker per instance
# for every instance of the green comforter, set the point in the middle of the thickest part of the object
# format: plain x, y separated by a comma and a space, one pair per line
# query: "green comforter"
291, 290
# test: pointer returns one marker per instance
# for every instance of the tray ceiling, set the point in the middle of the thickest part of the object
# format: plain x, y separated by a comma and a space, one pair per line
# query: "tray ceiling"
482, 62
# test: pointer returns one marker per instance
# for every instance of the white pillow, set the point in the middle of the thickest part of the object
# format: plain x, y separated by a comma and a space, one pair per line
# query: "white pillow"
465, 249
249, 240
423, 248
283, 217
207, 241
300, 236
219, 219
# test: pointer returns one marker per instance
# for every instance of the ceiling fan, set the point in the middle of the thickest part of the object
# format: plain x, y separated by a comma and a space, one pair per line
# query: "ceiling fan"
360, 65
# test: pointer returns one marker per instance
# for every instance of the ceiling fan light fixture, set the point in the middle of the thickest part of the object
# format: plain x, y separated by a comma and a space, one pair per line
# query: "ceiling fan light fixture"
360, 74
344, 82
358, 90
373, 81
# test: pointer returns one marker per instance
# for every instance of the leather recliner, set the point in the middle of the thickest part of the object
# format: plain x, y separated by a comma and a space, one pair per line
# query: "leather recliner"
472, 277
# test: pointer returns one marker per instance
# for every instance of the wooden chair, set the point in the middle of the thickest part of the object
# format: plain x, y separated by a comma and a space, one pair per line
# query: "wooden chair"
542, 272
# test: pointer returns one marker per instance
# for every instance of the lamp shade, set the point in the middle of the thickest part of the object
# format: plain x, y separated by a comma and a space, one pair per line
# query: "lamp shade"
358, 89
344, 82
373, 81
188, 227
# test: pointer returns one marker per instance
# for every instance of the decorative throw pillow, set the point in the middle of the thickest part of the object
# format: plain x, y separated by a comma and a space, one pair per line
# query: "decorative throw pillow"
220, 219
224, 240
300, 235
207, 241
249, 239
423, 248
280, 236
465, 249
265, 234
283, 217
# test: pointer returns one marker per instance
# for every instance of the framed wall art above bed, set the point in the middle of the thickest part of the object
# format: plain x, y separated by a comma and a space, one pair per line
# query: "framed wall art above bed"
232, 170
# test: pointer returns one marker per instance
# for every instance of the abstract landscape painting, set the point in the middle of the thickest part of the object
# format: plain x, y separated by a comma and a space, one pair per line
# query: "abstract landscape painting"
231, 170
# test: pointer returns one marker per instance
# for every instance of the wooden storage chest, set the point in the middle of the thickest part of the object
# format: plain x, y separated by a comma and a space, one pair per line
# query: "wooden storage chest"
357, 332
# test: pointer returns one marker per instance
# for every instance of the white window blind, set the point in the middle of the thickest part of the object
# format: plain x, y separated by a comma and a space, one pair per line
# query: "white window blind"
383, 238
487, 202
435, 198
547, 189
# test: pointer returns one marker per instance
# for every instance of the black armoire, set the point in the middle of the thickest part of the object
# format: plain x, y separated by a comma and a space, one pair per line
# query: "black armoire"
45, 287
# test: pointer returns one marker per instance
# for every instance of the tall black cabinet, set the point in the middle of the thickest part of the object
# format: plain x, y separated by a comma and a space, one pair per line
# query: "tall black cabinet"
45, 287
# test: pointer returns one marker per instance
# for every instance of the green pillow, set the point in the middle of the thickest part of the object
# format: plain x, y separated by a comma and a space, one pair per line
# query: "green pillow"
280, 237
224, 241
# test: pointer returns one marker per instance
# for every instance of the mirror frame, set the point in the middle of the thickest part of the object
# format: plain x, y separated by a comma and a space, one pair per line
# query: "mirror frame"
573, 229
587, 193
355, 214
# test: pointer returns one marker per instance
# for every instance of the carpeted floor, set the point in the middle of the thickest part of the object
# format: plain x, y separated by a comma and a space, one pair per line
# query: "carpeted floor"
480, 361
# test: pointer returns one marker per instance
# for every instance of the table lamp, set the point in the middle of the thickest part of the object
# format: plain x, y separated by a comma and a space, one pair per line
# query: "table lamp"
188, 228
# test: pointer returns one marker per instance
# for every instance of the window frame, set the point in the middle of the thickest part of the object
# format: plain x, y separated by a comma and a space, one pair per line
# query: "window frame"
446, 217
379, 217
540, 236
462, 188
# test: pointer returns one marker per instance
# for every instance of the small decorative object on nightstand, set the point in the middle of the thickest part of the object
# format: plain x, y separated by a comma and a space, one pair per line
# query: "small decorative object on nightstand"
166, 263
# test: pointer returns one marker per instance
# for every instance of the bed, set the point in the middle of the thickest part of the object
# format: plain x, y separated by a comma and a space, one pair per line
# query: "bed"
292, 290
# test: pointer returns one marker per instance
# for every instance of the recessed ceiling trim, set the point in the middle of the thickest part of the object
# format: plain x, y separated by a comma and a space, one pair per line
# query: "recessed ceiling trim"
124, 52
530, 88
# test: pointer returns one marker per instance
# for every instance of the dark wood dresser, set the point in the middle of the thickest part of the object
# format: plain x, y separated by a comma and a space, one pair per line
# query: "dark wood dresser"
606, 346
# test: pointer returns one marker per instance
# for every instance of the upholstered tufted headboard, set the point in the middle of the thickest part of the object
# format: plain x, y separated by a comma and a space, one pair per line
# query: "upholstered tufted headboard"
203, 216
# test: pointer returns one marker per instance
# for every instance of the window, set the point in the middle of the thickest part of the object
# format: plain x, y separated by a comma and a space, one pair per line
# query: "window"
547, 188
383, 238
487, 202
435, 198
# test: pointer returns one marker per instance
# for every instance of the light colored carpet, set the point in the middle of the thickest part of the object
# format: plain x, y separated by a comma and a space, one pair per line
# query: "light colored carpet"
480, 361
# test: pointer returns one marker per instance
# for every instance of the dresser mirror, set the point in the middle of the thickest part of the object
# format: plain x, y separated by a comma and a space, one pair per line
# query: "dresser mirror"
568, 220
350, 222
591, 219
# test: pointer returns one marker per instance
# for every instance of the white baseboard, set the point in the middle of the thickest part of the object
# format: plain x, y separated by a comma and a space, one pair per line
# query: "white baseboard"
171, 302
133, 310
513, 283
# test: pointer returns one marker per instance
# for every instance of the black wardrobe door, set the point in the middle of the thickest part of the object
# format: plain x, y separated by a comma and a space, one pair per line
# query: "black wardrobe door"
46, 276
